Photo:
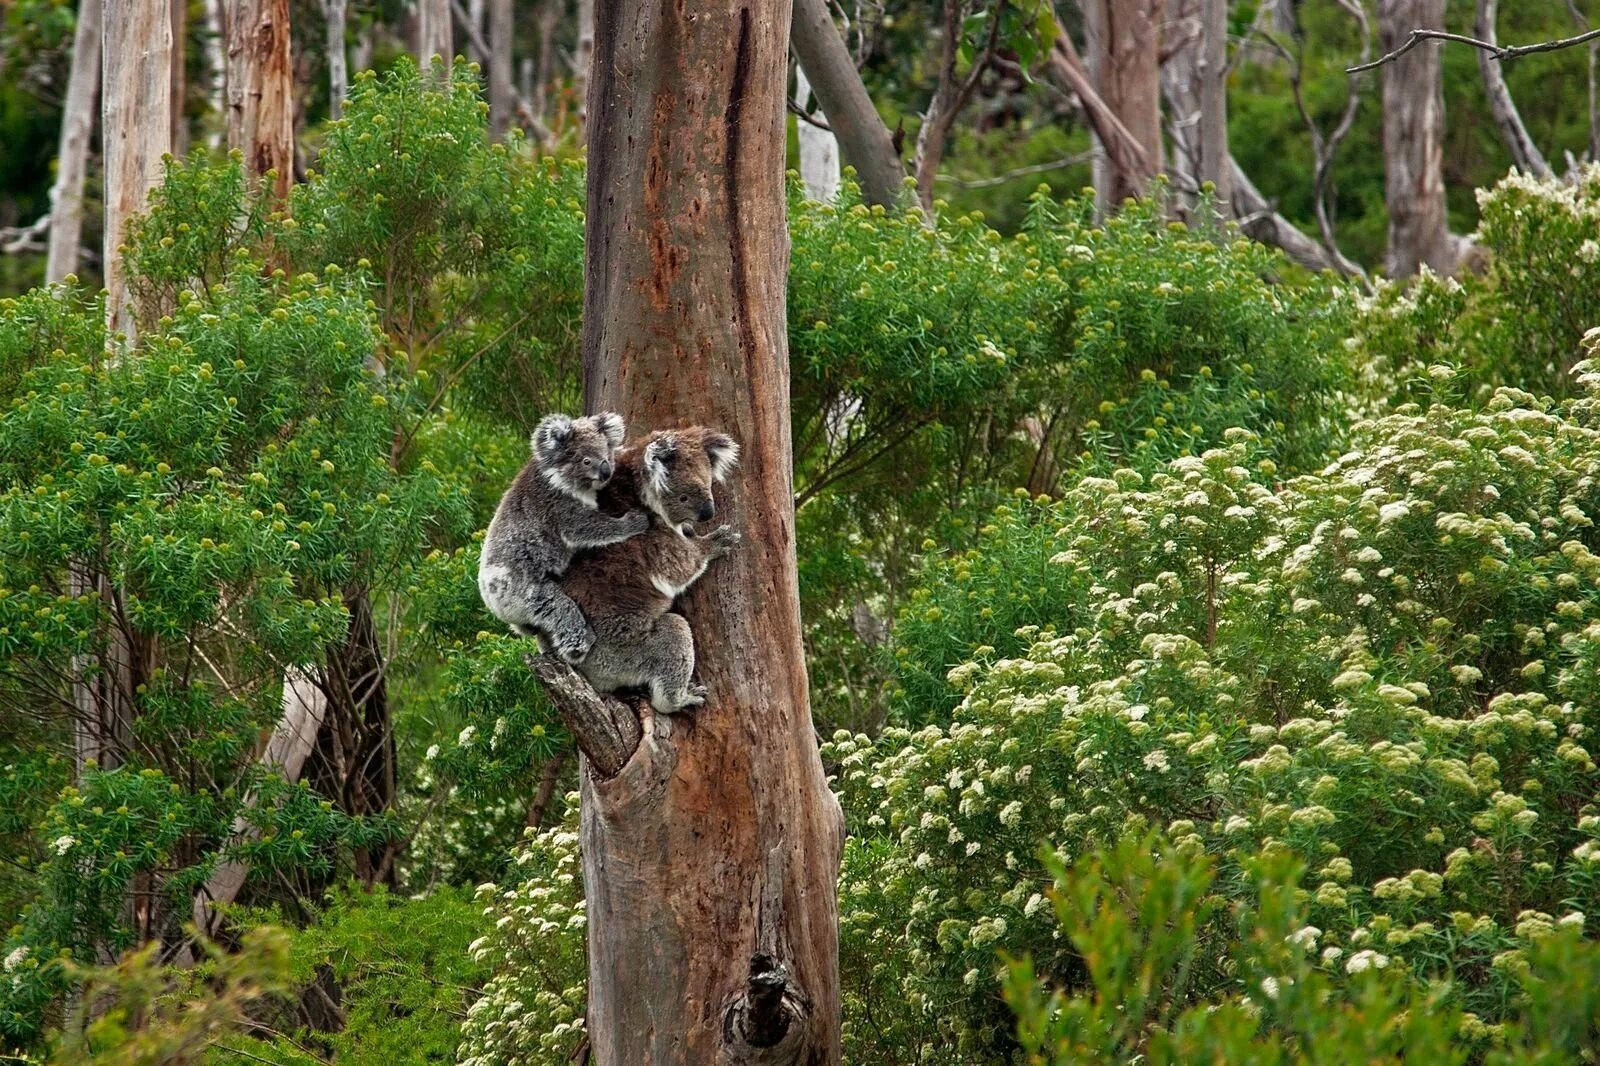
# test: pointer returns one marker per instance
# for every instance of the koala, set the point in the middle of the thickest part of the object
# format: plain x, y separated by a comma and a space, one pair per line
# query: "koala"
626, 590
550, 512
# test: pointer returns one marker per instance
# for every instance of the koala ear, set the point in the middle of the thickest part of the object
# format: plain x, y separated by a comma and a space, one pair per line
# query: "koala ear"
658, 455
552, 432
723, 454
610, 424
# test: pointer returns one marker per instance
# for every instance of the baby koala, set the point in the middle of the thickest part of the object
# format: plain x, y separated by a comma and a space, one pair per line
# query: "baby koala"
550, 512
626, 590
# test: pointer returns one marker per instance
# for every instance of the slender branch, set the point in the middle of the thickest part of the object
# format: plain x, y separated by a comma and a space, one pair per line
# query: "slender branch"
1501, 52
1021, 172
607, 730
807, 117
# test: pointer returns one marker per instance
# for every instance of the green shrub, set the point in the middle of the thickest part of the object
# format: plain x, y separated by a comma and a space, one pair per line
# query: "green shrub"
1386, 669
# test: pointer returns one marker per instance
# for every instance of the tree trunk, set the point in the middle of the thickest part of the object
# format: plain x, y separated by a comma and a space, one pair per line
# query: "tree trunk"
819, 149
583, 64
179, 136
502, 91
136, 49
72, 160
539, 74
711, 855
336, 14
1122, 150
261, 91
1125, 61
1525, 154
475, 13
1413, 141
863, 139
217, 65
433, 33
1215, 164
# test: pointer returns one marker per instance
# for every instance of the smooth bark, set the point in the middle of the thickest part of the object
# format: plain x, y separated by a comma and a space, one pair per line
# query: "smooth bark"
1215, 163
335, 14
863, 139
819, 149
433, 33
1413, 141
72, 159
179, 137
502, 91
711, 856
136, 52
261, 92
1525, 154
1125, 61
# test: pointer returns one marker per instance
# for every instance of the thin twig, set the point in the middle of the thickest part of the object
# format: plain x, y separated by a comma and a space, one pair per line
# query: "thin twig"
1500, 52
1021, 172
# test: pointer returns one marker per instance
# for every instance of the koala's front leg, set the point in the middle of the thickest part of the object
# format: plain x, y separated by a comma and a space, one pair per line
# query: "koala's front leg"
595, 529
720, 542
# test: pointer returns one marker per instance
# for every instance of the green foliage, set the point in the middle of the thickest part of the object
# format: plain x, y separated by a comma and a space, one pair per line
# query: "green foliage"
1140, 913
1383, 669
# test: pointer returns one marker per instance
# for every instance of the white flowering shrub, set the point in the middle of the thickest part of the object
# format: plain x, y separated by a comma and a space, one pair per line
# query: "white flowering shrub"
1388, 670
1520, 321
532, 1008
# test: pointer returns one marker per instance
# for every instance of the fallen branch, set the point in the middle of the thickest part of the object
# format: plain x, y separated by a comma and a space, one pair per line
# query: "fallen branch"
1500, 52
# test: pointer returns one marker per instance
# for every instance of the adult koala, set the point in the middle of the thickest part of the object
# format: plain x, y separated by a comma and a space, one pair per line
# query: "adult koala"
626, 590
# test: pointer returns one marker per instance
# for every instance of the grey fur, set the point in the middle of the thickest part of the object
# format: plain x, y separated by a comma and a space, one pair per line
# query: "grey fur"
549, 513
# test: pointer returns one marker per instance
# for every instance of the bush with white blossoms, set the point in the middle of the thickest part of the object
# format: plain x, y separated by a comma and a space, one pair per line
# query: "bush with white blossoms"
532, 1008
1388, 671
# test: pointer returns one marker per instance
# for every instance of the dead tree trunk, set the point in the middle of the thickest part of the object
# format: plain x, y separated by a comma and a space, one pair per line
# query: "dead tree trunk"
261, 91
711, 853
136, 49
434, 36
502, 90
1125, 61
179, 136
863, 139
72, 160
1525, 154
336, 14
819, 149
1413, 141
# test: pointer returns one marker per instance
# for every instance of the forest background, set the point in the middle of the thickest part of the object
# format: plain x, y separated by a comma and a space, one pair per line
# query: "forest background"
1200, 589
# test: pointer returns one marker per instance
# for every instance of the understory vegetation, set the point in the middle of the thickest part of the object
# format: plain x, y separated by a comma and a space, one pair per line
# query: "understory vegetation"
1208, 654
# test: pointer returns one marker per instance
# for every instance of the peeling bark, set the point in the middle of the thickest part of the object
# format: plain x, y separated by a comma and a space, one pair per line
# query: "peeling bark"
863, 138
72, 160
1413, 141
1125, 61
136, 51
261, 92
1123, 151
711, 855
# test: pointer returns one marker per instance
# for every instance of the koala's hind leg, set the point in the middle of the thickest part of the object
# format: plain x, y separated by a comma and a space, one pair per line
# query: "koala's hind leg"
550, 611
669, 656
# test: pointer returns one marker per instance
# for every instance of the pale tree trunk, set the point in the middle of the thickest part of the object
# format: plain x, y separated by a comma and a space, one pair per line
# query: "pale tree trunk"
475, 12
304, 707
1120, 148
819, 149
538, 75
1125, 61
863, 139
217, 68
583, 64
336, 14
1525, 153
135, 123
72, 160
433, 33
179, 138
502, 93
1413, 141
261, 91
1216, 163
711, 848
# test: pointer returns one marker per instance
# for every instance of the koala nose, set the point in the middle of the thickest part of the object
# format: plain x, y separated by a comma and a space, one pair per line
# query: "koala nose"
707, 509
605, 470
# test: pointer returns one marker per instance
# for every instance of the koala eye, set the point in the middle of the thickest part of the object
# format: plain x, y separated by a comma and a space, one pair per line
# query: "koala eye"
684, 498
588, 462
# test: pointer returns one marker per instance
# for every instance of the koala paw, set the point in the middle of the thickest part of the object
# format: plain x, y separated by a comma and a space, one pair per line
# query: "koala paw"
575, 649
723, 540
693, 696
636, 522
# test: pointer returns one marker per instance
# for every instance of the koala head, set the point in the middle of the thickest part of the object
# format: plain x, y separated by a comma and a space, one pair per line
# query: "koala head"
577, 454
680, 466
